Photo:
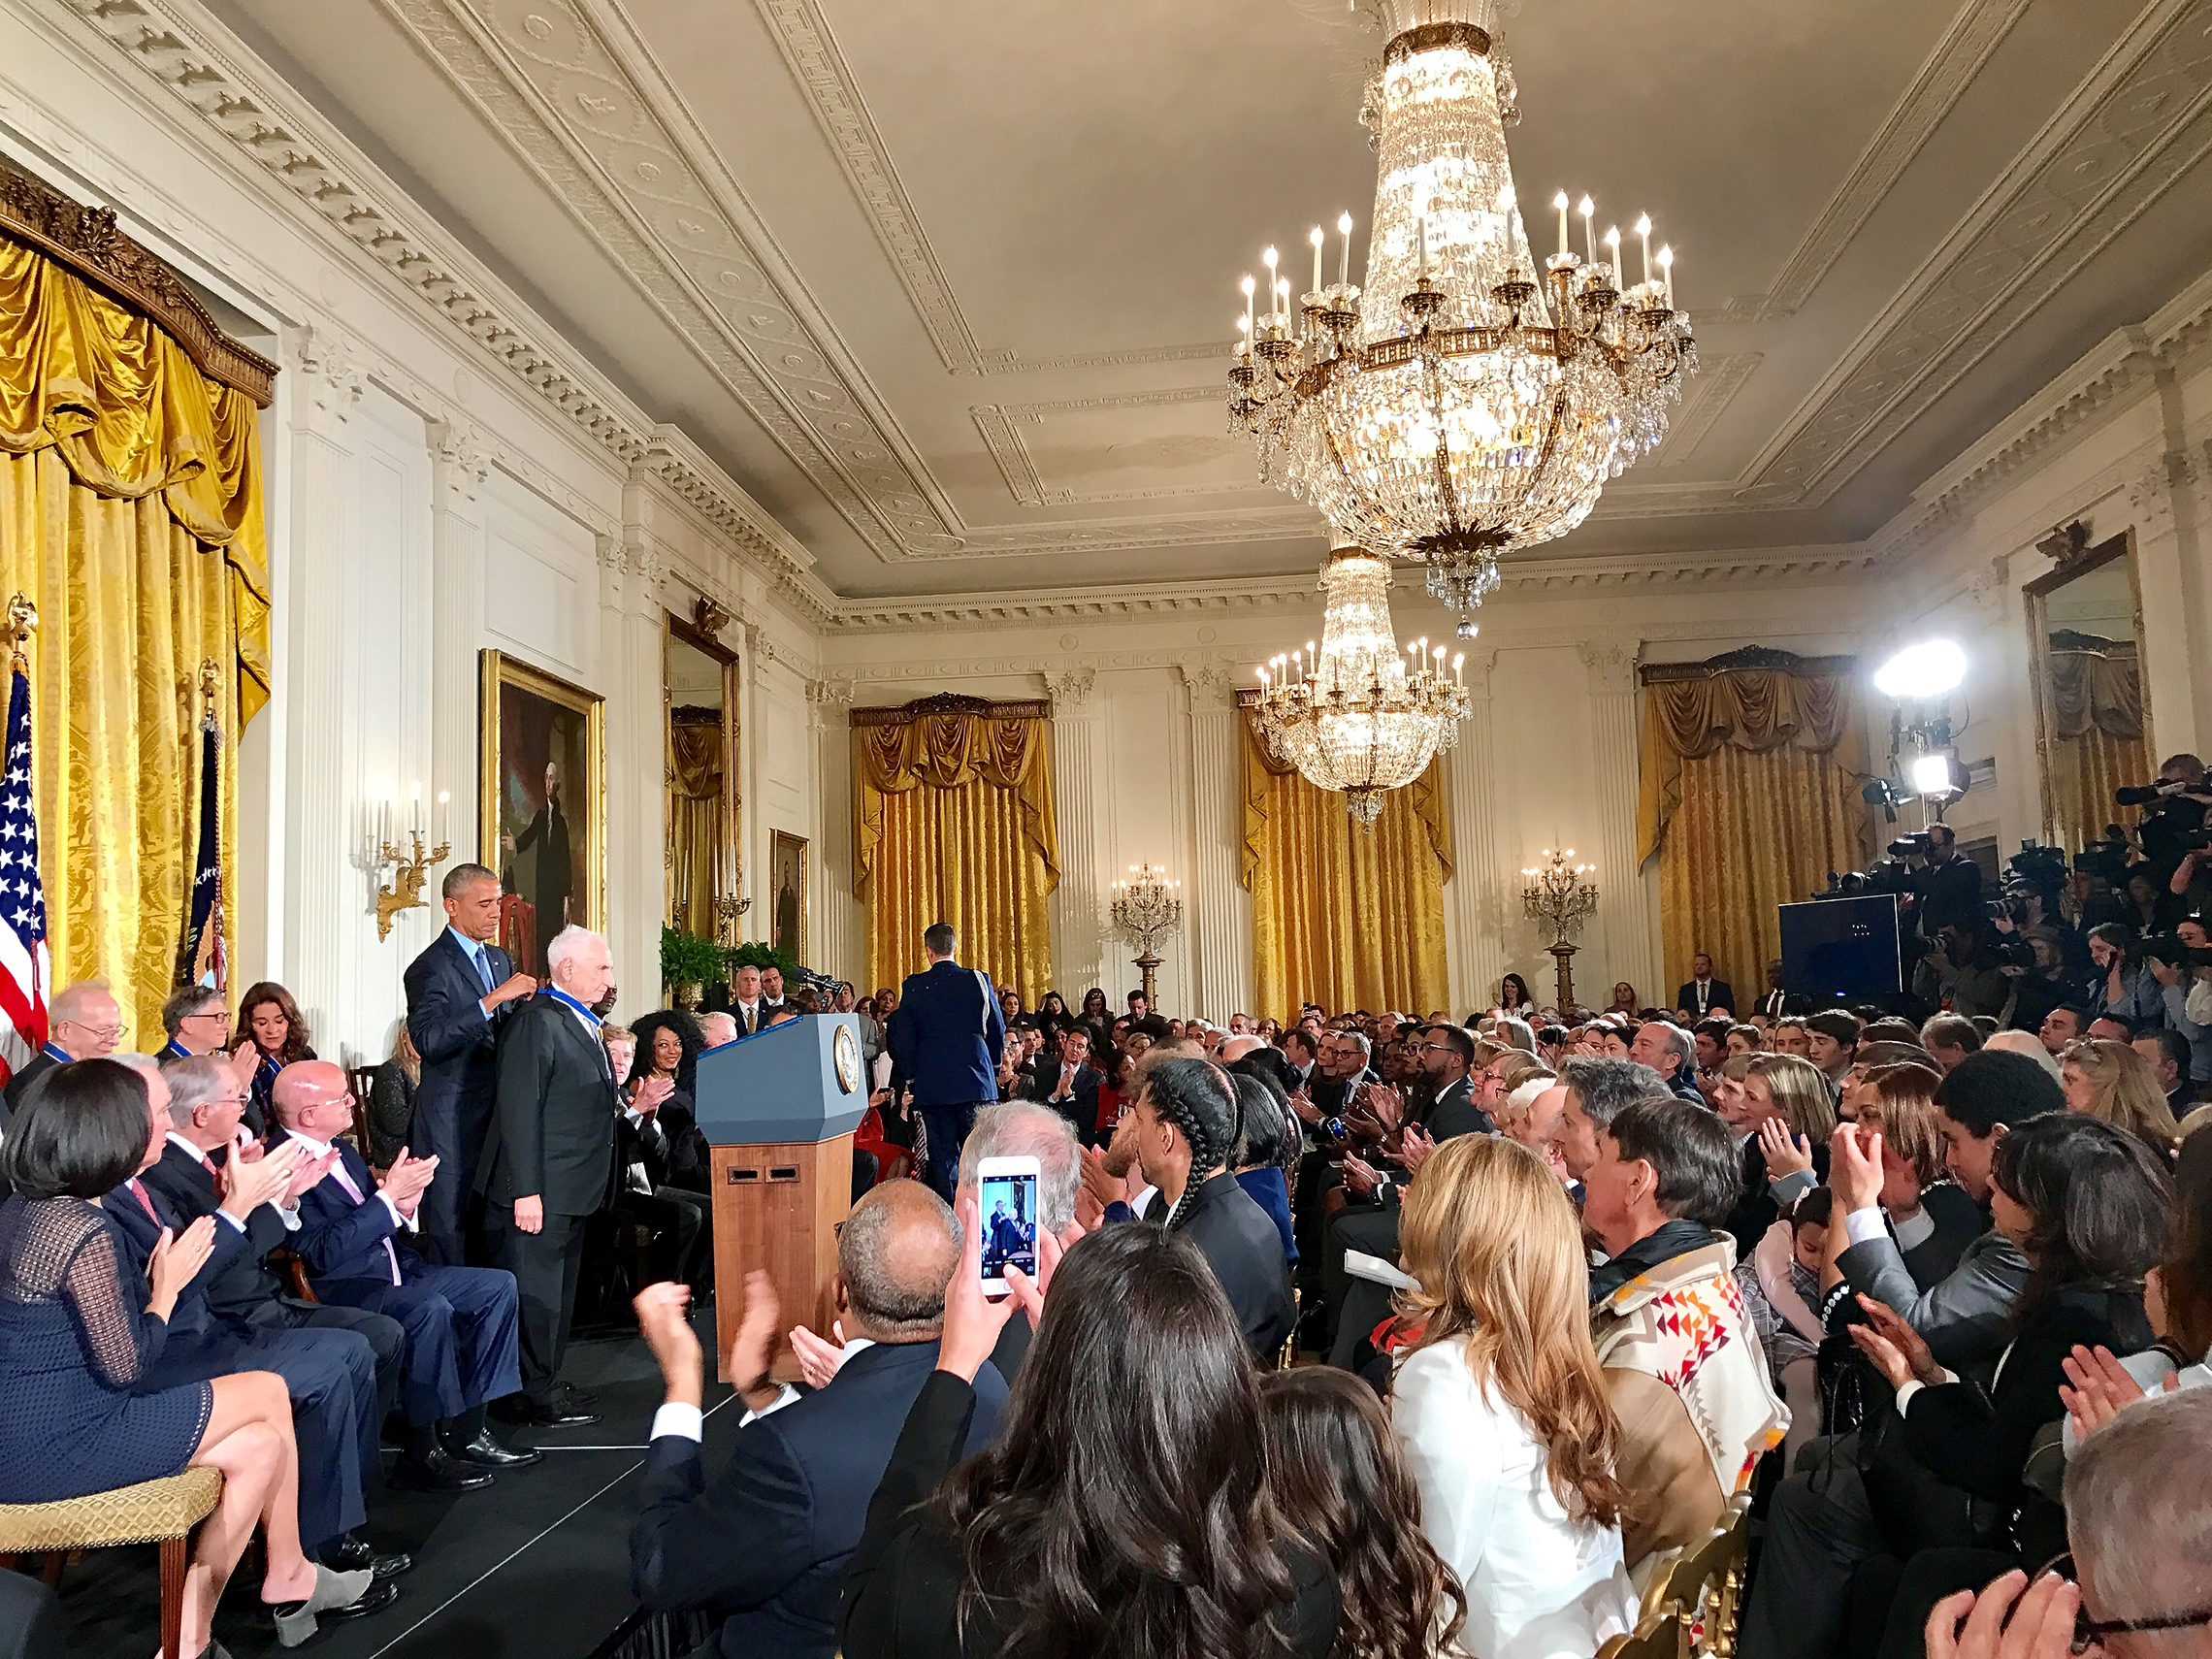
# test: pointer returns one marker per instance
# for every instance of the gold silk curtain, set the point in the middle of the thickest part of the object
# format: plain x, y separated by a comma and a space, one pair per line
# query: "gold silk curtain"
1345, 917
2096, 743
1750, 774
696, 814
952, 822
131, 515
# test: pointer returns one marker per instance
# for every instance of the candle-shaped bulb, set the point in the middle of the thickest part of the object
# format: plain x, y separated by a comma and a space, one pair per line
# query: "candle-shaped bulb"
1247, 284
1644, 234
1612, 252
1667, 273
1315, 237
1343, 251
1586, 207
1560, 202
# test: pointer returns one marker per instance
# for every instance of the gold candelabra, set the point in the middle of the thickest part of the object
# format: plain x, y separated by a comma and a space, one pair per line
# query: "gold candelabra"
1144, 911
409, 855
1561, 897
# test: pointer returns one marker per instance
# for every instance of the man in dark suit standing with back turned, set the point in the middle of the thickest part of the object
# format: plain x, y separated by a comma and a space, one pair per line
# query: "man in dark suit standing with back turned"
459, 992
946, 1036
548, 1163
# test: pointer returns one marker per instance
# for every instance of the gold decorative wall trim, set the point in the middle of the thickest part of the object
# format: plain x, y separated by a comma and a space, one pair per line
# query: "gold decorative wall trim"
953, 702
86, 241
1742, 658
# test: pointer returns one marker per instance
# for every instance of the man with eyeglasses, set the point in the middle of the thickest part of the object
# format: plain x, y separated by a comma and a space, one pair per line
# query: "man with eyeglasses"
83, 1022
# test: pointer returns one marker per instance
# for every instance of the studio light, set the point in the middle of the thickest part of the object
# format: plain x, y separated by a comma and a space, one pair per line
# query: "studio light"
1932, 775
1927, 669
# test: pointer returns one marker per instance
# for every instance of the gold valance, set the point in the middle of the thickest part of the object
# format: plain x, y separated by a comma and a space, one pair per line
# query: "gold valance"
2094, 682
130, 416
942, 743
1755, 699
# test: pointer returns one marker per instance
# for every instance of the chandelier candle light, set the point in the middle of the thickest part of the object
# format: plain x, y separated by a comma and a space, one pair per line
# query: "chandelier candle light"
1458, 405
1144, 911
1359, 715
1562, 897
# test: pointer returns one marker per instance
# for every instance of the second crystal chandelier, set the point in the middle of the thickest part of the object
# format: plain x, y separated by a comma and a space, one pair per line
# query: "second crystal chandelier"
1455, 408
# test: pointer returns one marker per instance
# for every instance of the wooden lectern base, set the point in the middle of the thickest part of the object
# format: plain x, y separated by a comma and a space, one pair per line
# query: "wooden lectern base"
778, 1207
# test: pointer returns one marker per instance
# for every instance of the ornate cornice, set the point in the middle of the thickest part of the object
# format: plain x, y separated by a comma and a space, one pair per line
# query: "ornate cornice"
1744, 659
84, 240
952, 702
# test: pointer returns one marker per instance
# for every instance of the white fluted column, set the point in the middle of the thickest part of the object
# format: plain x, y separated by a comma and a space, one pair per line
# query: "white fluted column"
634, 721
1077, 907
837, 921
1476, 901
325, 888
458, 467
2165, 507
1623, 945
1217, 910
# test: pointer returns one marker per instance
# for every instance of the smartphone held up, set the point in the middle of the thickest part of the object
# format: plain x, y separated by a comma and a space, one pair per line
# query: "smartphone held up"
1006, 1200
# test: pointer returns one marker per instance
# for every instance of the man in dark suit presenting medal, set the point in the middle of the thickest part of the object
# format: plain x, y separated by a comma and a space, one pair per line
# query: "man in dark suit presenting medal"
548, 1163
459, 992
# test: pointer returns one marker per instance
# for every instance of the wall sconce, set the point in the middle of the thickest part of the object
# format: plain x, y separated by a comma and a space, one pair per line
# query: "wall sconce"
409, 864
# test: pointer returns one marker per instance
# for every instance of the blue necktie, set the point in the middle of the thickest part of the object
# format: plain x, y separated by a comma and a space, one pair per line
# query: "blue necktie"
484, 969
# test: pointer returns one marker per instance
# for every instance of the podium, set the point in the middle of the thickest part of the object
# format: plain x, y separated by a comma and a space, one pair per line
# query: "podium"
778, 1108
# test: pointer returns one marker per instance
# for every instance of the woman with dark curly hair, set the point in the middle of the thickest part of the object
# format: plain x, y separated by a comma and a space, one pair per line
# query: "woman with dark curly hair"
1125, 1508
669, 1046
674, 1056
278, 1032
1187, 1122
1338, 1475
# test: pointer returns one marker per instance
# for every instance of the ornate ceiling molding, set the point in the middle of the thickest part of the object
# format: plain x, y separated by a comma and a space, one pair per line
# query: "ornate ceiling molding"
1719, 378
2133, 126
1974, 35
1000, 428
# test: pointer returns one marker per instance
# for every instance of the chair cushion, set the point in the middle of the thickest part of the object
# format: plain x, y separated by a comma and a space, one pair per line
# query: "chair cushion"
143, 1513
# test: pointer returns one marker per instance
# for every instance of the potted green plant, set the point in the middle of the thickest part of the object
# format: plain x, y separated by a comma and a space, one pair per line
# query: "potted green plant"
688, 961
760, 953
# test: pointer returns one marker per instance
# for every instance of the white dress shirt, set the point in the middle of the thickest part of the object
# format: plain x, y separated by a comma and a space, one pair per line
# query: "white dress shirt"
1540, 1584
199, 1155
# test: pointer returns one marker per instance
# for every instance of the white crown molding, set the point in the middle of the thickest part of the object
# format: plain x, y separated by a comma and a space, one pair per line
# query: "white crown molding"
1719, 378
2133, 126
1957, 58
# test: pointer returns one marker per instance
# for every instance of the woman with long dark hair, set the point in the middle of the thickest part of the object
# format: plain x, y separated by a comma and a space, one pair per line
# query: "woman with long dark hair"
669, 1046
1338, 1475
278, 1032
1623, 1001
1124, 1510
1053, 1017
1513, 996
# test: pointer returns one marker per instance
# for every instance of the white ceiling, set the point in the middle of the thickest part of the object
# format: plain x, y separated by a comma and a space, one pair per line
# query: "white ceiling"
947, 284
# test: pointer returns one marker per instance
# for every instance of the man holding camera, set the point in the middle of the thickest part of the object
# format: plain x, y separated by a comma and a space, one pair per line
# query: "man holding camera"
1960, 973
1946, 885
2173, 964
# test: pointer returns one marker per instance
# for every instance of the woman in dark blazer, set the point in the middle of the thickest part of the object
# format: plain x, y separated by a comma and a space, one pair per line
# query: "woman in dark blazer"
2088, 1205
1130, 1471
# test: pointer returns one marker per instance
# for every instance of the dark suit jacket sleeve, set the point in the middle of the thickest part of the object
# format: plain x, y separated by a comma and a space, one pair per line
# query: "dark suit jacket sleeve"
139, 1235
526, 1070
333, 1231
729, 1545
890, 1569
1979, 1441
898, 1033
445, 1017
994, 1021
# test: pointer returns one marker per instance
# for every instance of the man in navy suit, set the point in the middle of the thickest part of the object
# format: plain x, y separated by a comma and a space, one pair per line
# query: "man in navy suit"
330, 1375
1070, 1085
763, 1544
1702, 993
946, 1037
460, 1321
459, 992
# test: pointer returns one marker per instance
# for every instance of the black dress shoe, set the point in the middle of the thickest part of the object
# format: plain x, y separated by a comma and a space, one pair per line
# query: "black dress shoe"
351, 1553
567, 1398
375, 1599
439, 1472
524, 1412
488, 1453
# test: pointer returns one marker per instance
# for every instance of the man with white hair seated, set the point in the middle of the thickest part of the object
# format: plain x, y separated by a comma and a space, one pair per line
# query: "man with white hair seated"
718, 1029
83, 1022
550, 1161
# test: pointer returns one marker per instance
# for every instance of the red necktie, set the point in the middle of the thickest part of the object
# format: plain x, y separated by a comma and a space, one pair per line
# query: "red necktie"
144, 1203
209, 1165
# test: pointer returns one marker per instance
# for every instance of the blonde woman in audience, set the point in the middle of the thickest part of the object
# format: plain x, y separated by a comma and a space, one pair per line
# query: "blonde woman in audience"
1502, 1410
2111, 1081
1793, 1089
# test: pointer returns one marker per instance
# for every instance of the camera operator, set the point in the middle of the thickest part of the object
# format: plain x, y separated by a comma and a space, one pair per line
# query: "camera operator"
2177, 968
1961, 972
2122, 986
1946, 885
2039, 982
2173, 824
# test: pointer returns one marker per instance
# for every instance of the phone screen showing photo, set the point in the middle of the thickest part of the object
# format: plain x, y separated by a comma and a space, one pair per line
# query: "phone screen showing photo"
1009, 1205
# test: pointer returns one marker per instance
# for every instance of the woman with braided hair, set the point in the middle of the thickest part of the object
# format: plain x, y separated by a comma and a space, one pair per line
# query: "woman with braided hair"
1186, 1126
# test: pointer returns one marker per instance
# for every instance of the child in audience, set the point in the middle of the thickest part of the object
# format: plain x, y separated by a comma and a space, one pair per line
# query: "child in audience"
1337, 1474
1780, 1284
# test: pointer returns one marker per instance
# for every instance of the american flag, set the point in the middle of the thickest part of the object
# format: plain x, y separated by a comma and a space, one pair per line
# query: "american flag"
24, 968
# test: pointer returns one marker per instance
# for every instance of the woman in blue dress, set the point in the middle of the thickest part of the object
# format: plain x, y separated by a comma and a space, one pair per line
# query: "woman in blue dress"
78, 1329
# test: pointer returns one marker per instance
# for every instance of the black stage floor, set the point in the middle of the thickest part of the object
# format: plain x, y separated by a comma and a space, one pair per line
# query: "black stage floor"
537, 1567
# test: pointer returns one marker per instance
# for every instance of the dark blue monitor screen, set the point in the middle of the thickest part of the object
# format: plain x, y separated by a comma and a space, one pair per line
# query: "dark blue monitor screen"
1842, 950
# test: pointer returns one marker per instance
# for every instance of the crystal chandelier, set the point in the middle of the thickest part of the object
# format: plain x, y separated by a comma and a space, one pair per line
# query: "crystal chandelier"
1358, 716
1457, 407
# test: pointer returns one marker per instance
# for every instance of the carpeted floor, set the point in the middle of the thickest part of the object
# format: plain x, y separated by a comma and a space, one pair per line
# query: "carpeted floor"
536, 1566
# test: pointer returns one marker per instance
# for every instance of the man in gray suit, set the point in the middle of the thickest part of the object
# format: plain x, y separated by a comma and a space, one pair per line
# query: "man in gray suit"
548, 1163
1822, 1525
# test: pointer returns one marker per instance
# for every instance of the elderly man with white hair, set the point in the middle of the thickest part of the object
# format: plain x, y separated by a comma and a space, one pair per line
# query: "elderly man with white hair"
83, 1022
715, 1029
548, 1163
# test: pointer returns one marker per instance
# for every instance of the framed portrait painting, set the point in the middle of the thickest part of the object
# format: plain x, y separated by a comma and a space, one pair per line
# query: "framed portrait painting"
542, 805
787, 892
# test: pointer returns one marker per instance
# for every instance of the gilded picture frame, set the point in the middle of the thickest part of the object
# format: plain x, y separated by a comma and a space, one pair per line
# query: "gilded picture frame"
542, 804
787, 892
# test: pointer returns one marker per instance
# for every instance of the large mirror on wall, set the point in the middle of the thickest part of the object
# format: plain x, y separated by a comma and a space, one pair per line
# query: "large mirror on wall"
2093, 717
700, 682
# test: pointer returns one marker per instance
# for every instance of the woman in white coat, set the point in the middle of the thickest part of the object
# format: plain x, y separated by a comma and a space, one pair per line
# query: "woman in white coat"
1500, 1408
